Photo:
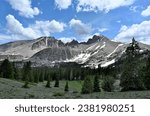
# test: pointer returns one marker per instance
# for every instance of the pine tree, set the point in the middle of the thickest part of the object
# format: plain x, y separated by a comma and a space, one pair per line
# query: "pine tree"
130, 78
146, 74
82, 74
41, 78
66, 87
71, 75
1, 74
133, 48
27, 73
87, 85
48, 82
36, 76
96, 84
107, 84
7, 69
16, 72
56, 82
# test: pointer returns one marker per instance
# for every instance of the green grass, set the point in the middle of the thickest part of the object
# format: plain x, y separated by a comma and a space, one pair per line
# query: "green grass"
75, 85
13, 89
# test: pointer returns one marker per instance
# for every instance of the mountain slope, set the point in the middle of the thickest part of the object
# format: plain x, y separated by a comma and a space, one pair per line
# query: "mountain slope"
47, 51
27, 48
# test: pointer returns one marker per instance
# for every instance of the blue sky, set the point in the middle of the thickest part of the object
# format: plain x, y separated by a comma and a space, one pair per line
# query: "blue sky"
119, 20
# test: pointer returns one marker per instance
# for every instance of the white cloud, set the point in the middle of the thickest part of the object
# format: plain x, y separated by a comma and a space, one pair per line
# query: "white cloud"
47, 27
24, 7
141, 32
5, 37
146, 12
40, 28
63, 4
123, 28
102, 5
134, 8
67, 39
80, 28
16, 28
102, 29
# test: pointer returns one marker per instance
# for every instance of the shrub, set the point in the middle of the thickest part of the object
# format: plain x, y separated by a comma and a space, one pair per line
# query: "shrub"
26, 85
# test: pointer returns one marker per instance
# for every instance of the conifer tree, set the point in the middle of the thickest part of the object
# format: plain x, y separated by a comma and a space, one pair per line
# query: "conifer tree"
27, 73
96, 84
36, 76
56, 82
146, 74
107, 84
7, 69
66, 87
41, 78
130, 78
48, 82
87, 85
82, 74
71, 75
16, 72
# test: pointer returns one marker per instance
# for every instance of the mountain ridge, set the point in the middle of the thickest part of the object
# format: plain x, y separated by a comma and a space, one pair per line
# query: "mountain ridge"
98, 50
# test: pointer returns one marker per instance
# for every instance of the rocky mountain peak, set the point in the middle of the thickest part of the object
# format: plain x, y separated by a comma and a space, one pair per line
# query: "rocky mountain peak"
72, 43
46, 42
96, 38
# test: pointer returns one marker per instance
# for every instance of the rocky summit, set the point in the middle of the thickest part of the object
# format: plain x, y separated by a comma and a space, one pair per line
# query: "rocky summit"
48, 51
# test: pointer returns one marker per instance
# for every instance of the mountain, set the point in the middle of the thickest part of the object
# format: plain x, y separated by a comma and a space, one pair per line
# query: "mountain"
48, 51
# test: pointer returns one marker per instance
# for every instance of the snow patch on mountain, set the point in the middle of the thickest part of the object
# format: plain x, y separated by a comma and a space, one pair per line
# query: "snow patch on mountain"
114, 50
91, 47
104, 44
108, 63
81, 58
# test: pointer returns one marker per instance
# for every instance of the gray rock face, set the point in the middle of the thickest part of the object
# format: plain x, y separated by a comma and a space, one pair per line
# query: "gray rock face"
98, 50
54, 54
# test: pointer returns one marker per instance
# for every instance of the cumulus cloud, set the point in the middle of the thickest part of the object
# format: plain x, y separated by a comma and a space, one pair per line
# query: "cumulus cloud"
146, 12
5, 37
79, 27
63, 4
40, 28
24, 7
141, 32
47, 27
16, 28
101, 5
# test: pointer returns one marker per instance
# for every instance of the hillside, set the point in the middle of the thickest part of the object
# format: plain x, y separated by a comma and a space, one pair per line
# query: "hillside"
10, 89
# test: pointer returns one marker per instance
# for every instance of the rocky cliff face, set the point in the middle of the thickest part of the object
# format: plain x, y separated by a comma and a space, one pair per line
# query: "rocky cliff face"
48, 51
